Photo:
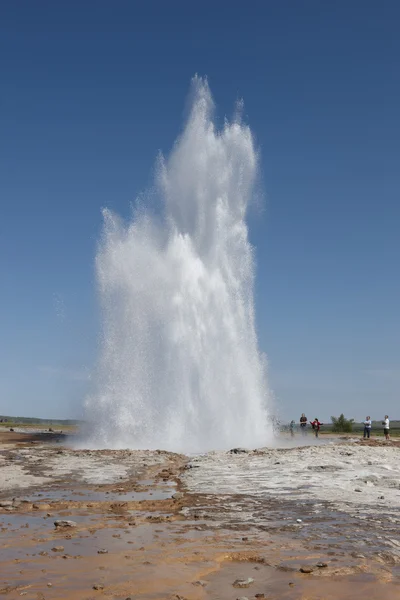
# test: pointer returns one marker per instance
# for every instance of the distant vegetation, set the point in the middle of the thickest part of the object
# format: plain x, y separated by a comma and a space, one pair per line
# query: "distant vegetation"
9, 420
341, 424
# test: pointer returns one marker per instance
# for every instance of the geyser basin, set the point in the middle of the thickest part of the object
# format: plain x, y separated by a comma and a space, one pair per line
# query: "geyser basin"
180, 367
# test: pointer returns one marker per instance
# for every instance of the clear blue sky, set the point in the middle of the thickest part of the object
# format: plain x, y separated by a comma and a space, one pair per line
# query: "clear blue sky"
91, 90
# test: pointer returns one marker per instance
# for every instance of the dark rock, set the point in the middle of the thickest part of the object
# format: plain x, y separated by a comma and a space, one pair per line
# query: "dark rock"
357, 489
238, 451
306, 569
243, 583
61, 523
245, 539
321, 565
102, 551
259, 595
98, 586
200, 583
58, 549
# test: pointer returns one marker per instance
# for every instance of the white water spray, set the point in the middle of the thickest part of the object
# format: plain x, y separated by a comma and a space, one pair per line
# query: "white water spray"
180, 367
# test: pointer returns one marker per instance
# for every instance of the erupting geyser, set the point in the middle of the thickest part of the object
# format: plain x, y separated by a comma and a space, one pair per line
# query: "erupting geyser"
180, 367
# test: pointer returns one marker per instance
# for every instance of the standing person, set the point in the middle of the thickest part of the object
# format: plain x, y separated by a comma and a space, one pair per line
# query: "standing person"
386, 426
292, 424
316, 425
303, 424
367, 427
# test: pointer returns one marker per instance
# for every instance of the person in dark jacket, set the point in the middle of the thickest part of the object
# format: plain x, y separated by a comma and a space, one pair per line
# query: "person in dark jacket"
303, 424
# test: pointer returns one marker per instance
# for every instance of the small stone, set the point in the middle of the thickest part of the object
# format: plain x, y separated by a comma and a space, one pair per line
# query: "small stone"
243, 583
58, 549
321, 565
41, 506
381, 497
245, 539
259, 596
358, 490
238, 451
43, 553
306, 570
177, 496
98, 586
200, 583
102, 551
49, 585
291, 584
64, 523
299, 520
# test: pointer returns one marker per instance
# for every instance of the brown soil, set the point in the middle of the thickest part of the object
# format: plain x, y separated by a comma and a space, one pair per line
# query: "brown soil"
147, 549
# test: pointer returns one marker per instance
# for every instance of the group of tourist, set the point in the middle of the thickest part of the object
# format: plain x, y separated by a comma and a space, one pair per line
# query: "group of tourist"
368, 427
316, 425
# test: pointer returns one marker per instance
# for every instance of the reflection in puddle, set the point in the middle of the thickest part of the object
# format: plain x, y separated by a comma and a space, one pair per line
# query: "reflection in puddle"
155, 491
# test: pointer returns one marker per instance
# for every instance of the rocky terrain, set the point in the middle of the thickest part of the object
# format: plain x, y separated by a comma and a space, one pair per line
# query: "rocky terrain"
284, 523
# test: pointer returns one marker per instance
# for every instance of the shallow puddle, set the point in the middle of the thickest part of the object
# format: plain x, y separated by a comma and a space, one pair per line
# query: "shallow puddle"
154, 491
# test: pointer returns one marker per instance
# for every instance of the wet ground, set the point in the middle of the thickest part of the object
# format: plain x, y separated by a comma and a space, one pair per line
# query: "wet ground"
157, 525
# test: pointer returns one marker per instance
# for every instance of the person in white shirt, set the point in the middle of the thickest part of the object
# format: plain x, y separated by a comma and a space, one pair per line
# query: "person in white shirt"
386, 426
367, 427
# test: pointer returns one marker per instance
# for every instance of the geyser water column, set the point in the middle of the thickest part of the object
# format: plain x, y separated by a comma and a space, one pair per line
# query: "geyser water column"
179, 366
